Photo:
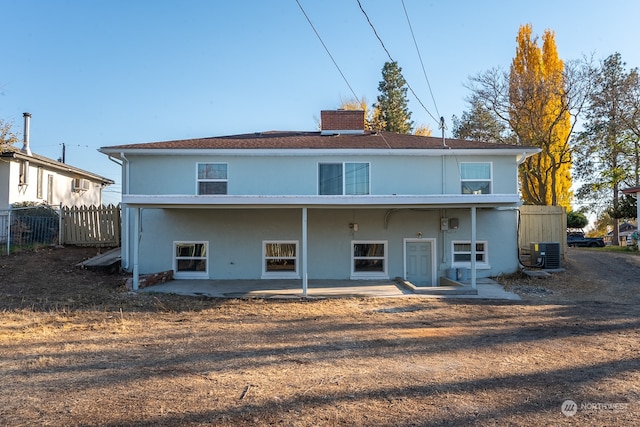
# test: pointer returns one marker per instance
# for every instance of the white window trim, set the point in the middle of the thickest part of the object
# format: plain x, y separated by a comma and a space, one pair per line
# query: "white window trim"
490, 180
280, 274
189, 274
369, 275
198, 180
480, 265
344, 180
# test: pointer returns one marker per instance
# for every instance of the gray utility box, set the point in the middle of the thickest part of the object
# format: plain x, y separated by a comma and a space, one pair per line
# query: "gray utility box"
545, 255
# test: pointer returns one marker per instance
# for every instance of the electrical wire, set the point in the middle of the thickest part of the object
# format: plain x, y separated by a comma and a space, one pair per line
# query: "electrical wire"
415, 43
392, 60
327, 49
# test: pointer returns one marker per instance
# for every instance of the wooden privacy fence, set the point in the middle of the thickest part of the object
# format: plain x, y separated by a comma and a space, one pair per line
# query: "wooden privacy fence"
542, 224
91, 225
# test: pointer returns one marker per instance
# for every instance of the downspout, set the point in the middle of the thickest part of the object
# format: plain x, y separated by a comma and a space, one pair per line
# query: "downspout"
125, 256
443, 214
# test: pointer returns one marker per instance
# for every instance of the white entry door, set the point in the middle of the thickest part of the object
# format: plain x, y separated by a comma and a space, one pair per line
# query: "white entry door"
419, 262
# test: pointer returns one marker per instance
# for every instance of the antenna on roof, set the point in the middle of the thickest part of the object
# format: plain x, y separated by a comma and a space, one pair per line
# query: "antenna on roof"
443, 127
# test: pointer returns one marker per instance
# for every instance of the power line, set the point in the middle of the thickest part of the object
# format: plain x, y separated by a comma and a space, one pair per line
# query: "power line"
392, 60
420, 56
327, 49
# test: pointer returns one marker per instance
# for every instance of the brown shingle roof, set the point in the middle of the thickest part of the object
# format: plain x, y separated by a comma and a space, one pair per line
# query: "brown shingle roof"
313, 140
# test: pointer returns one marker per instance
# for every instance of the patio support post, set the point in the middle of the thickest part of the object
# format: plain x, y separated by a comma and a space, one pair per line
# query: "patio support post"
304, 252
136, 248
473, 247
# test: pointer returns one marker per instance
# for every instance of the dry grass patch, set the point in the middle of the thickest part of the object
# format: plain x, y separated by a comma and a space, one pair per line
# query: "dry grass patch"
127, 359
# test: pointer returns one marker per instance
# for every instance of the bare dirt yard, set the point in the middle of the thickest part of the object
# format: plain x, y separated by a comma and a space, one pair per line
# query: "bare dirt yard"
77, 349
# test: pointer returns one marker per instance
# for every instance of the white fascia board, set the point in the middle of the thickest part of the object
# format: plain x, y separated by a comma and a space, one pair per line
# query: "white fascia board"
258, 201
309, 152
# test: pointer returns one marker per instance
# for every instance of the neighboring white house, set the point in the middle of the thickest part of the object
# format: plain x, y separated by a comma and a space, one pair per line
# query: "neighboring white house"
28, 177
341, 203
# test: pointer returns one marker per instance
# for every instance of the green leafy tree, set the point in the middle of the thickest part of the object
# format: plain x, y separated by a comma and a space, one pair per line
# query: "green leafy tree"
391, 112
480, 124
576, 220
627, 208
607, 145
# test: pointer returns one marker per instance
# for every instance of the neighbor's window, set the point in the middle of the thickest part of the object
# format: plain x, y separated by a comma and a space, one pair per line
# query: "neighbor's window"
49, 189
212, 178
40, 183
343, 178
475, 178
190, 259
280, 258
369, 258
24, 173
461, 256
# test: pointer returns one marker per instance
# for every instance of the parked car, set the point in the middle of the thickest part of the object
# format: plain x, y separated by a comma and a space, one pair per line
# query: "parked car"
577, 238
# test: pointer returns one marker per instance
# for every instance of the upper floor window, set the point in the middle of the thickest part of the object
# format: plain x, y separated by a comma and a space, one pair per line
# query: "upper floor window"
475, 178
343, 178
212, 178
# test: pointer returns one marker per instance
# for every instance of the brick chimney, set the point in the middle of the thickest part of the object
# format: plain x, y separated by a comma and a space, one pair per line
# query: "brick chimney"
336, 122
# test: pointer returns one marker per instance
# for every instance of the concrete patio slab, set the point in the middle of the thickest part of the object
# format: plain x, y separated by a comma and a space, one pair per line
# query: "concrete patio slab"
292, 289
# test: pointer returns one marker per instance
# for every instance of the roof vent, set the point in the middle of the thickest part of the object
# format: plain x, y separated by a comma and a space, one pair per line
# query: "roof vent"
337, 122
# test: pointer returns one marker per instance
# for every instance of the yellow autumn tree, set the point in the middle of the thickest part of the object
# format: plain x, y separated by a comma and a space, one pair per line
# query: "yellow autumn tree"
540, 117
423, 130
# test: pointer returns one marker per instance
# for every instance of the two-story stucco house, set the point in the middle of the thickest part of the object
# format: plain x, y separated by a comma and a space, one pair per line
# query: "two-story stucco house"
340, 203
29, 177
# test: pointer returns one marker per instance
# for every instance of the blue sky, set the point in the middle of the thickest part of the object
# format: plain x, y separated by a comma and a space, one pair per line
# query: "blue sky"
96, 73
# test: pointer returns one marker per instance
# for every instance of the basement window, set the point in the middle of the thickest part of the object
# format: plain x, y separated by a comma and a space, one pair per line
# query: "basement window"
280, 259
461, 254
368, 259
190, 260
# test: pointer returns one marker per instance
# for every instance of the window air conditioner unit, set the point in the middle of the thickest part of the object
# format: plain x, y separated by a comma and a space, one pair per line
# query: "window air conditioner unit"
80, 184
545, 255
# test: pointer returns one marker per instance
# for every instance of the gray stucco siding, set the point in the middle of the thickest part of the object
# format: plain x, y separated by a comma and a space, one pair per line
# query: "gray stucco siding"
235, 237
299, 175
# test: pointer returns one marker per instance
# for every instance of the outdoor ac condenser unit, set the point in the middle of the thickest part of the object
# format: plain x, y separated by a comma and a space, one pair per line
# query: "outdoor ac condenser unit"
545, 255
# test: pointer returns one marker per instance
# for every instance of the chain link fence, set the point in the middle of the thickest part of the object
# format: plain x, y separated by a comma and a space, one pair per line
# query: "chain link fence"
29, 227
